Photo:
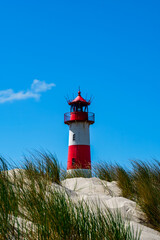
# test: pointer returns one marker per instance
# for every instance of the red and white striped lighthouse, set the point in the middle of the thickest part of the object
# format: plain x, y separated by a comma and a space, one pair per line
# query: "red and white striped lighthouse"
79, 121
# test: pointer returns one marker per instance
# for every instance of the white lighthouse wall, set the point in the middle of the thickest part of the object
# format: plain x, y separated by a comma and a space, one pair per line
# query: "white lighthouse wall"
81, 131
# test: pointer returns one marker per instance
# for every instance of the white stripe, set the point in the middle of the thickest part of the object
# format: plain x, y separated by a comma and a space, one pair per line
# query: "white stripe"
79, 133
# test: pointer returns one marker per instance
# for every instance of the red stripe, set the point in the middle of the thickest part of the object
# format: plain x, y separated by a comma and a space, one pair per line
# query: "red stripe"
79, 157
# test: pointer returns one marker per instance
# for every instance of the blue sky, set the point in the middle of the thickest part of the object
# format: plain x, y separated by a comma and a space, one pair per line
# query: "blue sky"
109, 48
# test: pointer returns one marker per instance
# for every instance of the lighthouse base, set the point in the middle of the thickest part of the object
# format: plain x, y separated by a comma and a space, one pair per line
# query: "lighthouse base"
86, 173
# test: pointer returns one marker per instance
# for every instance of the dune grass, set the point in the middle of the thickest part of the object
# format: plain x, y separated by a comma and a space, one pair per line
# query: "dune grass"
42, 164
8, 202
141, 184
34, 206
105, 171
147, 190
125, 182
33, 195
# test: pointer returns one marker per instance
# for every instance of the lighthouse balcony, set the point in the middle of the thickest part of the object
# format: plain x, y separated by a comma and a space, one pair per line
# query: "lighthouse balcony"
79, 116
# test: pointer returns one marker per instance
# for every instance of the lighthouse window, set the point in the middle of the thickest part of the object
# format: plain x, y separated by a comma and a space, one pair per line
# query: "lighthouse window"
79, 109
73, 108
86, 109
74, 137
73, 161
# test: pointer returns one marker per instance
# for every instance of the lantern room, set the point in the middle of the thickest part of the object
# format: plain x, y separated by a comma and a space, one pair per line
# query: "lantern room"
79, 111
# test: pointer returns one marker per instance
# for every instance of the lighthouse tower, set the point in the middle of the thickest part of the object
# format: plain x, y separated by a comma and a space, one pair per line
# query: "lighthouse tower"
79, 121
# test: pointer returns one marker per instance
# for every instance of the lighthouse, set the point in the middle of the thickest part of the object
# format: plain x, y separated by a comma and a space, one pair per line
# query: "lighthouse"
79, 121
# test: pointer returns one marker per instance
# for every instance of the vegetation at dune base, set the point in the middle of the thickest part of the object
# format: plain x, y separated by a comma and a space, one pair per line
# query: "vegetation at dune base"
141, 184
33, 204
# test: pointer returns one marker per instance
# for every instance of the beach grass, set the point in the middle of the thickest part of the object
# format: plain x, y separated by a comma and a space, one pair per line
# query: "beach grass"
33, 205
141, 184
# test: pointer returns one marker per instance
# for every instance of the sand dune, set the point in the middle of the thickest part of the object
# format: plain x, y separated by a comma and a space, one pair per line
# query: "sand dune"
107, 194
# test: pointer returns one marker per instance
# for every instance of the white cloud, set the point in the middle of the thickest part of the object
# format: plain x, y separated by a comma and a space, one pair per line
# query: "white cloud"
41, 86
36, 88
